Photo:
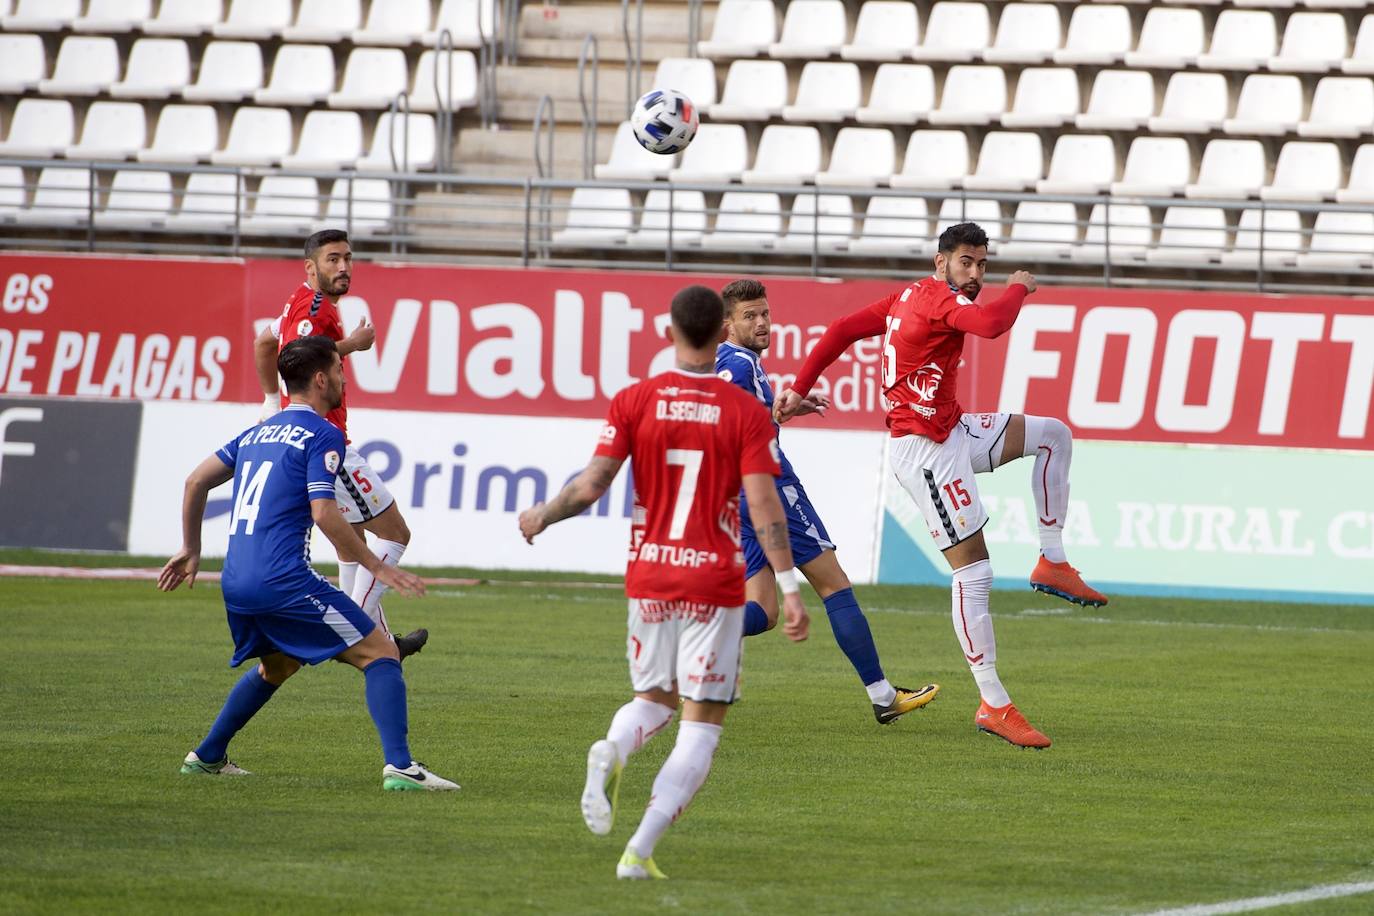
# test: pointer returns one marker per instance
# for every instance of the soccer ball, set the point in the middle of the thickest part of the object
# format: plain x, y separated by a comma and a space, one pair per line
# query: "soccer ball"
664, 121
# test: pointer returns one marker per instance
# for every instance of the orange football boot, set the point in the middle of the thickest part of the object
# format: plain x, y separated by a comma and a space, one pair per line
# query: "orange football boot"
1062, 580
1007, 723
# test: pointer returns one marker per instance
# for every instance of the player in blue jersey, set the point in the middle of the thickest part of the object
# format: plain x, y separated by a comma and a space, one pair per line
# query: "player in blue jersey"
749, 326
280, 610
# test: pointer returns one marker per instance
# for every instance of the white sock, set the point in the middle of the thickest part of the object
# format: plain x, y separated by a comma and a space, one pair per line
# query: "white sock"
881, 692
367, 591
635, 723
348, 574
682, 775
973, 628
1050, 441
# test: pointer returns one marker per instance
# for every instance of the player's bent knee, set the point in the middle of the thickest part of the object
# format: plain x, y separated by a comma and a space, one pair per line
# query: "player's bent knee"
373, 646
275, 669
660, 696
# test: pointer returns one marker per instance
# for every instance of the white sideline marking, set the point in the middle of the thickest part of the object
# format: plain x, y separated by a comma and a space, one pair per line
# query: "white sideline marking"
149, 574
1071, 617
1320, 892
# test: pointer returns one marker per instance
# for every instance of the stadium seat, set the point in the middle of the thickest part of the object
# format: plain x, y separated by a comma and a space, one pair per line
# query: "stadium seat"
901, 94
1027, 33
1007, 162
325, 21
13, 193
811, 29
1045, 97
1155, 167
719, 153
1241, 40
1361, 59
363, 206
42, 16
61, 197
184, 17
1194, 103
230, 71
986, 213
1041, 231
209, 202
40, 128
631, 162
86, 65
830, 231
1359, 188
935, 159
112, 130
1080, 164
23, 63
743, 28
411, 155
1281, 239
956, 31
329, 140
1305, 171
113, 16
258, 20
301, 75
462, 77
1340, 240
137, 199
395, 22
466, 22
257, 136
895, 227
827, 91
1268, 104
787, 154
973, 94
861, 157
596, 217
1129, 239
185, 133
1120, 100
755, 90
1342, 106
745, 219
694, 76
678, 217
885, 30
1312, 43
158, 68
1335, 4
1170, 39
1099, 34
373, 77
1230, 169
1190, 235
284, 204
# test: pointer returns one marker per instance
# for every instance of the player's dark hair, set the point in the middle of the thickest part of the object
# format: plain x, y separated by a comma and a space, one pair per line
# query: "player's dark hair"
299, 360
970, 234
322, 238
744, 290
698, 314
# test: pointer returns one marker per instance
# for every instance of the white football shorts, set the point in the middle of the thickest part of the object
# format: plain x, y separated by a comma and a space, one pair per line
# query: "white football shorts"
939, 476
359, 489
695, 644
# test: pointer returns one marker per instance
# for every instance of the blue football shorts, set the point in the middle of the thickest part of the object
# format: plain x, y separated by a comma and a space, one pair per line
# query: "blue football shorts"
313, 629
805, 530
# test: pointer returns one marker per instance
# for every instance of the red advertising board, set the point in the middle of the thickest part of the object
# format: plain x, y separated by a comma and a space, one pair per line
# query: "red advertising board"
1116, 364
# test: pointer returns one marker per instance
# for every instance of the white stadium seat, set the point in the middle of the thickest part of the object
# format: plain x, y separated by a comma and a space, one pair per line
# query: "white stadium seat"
1027, 33
283, 204
596, 217
986, 213
934, 159
325, 21
329, 140
901, 94
158, 68
955, 31
1305, 171
466, 20
1041, 230
973, 94
1155, 167
209, 202
860, 158
1194, 103
257, 136
1361, 59
230, 71
885, 30
693, 76
362, 206
1269, 104
414, 154
40, 128
395, 22
86, 65
1099, 34
811, 29
1120, 100
895, 227
632, 162
1340, 240
1281, 239
1170, 39
1008, 162
787, 154
373, 77
1359, 188
301, 75
1342, 106
828, 231
184, 133
1312, 43
755, 90
827, 91
1230, 169
60, 197
1190, 235
743, 28
1241, 40
461, 71
112, 130
1129, 239
184, 17
42, 16
137, 199
1045, 97
676, 217
13, 194
720, 152
1080, 164
255, 19
745, 219
111, 16
23, 63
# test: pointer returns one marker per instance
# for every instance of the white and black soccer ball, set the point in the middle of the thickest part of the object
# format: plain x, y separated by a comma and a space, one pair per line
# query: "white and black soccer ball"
664, 121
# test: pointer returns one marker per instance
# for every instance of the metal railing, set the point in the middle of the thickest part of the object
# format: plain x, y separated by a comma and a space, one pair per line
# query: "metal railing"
545, 128
693, 26
510, 28
589, 113
634, 53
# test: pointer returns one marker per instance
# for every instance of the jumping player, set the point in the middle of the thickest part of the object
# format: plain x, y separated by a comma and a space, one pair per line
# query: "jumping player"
936, 448
363, 496
280, 610
748, 324
693, 439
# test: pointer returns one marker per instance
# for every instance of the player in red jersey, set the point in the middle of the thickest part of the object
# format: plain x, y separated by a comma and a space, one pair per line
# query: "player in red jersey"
362, 495
693, 439
936, 448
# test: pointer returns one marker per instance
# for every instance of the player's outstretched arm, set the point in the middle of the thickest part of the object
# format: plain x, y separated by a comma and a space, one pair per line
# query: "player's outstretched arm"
583, 490
352, 549
995, 318
869, 321
770, 525
185, 564
265, 360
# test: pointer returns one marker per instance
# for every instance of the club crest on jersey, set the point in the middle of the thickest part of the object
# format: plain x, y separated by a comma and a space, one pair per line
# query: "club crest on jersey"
726, 374
305, 327
331, 461
925, 381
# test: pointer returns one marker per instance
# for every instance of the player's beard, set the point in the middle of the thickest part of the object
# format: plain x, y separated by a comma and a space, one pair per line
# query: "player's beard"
971, 290
336, 286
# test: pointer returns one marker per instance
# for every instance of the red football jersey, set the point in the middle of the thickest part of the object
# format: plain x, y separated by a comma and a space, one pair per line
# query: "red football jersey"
310, 313
690, 437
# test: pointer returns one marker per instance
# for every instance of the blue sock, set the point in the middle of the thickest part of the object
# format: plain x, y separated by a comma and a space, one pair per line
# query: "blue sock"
850, 627
249, 695
755, 620
386, 701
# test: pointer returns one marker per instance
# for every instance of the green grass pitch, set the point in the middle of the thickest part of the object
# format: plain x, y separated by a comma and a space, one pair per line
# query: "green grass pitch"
1203, 752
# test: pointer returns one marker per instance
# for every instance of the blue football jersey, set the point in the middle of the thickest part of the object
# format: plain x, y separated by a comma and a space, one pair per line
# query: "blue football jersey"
279, 467
743, 367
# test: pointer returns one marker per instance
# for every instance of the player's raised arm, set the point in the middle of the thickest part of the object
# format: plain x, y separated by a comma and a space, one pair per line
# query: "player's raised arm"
183, 567
580, 492
996, 317
770, 525
869, 321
